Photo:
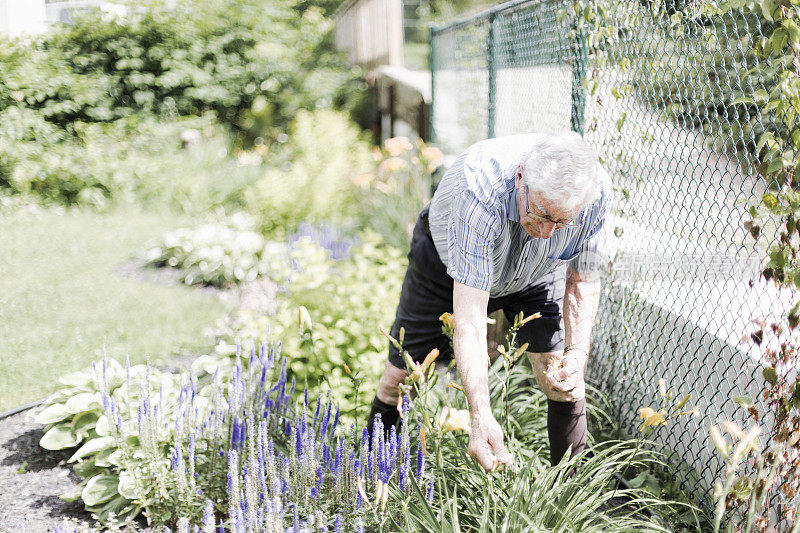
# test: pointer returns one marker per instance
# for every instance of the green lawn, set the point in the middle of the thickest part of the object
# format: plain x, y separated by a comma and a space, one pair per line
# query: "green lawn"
61, 300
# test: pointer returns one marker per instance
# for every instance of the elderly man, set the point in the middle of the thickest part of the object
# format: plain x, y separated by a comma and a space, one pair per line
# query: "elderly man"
517, 223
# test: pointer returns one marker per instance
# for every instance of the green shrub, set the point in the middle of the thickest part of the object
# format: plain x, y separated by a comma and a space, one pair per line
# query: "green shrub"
137, 159
347, 300
223, 252
253, 64
324, 151
392, 196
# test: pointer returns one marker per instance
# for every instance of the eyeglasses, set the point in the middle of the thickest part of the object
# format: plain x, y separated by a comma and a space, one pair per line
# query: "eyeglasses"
576, 223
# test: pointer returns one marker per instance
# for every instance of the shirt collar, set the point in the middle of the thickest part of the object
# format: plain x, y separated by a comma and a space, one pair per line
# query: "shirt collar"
511, 205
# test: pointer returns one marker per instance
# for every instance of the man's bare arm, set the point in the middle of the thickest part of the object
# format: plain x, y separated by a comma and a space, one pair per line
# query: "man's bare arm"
581, 300
469, 344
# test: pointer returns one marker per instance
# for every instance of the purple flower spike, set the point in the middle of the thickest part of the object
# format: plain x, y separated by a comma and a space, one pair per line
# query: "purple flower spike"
337, 524
420, 463
429, 497
208, 514
325, 419
316, 411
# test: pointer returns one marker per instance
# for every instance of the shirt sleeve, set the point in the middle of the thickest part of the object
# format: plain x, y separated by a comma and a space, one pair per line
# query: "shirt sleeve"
595, 253
471, 230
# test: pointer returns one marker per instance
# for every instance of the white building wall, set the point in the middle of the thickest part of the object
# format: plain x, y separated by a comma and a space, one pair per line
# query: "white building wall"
22, 17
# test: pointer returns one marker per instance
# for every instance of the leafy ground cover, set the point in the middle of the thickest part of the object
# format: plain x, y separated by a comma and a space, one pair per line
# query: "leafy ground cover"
64, 295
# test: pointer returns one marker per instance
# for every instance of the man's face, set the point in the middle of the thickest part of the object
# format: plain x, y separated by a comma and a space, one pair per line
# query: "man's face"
539, 216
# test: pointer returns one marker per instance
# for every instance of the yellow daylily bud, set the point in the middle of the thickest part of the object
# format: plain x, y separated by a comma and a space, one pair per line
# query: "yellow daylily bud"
391, 339
430, 358
447, 319
528, 319
304, 317
719, 441
456, 386
347, 369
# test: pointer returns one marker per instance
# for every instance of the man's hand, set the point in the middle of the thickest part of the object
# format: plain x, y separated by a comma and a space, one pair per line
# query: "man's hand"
486, 441
561, 376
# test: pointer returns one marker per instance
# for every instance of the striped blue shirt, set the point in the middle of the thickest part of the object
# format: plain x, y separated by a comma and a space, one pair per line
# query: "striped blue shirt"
475, 223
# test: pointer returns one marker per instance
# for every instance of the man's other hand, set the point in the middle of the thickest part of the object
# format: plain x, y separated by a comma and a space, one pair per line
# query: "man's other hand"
486, 441
561, 376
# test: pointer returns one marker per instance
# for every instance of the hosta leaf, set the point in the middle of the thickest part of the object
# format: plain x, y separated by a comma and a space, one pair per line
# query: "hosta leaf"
58, 438
73, 494
101, 426
100, 489
52, 413
115, 458
101, 459
81, 379
84, 401
93, 446
127, 485
84, 422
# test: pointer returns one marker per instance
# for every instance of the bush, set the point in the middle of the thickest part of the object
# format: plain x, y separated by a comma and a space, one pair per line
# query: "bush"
324, 150
347, 300
392, 196
222, 253
133, 159
253, 64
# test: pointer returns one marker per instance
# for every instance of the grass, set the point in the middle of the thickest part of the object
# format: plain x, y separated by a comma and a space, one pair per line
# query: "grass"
61, 299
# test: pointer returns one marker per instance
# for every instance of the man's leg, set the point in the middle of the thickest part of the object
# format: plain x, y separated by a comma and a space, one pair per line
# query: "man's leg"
387, 397
566, 411
427, 292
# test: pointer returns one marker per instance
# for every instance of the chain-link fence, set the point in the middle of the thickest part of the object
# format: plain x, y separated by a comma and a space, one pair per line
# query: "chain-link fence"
659, 103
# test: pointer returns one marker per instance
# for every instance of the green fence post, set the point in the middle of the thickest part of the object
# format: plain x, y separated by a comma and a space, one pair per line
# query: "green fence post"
432, 63
579, 62
490, 49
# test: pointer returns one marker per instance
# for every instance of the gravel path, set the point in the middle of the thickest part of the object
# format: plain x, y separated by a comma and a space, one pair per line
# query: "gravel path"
31, 478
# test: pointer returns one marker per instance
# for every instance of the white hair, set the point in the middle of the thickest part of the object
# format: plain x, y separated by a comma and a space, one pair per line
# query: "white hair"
563, 168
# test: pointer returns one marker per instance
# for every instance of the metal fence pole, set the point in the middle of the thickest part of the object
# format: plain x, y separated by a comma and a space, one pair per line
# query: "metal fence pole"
432, 62
492, 64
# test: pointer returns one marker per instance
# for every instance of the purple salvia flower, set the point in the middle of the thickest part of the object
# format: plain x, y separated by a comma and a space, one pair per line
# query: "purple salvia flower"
420, 463
335, 420
337, 524
359, 526
208, 517
337, 459
429, 497
316, 411
305, 397
392, 445
325, 419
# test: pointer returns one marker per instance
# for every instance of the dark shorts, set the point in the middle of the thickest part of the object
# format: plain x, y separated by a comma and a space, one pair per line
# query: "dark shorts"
428, 292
